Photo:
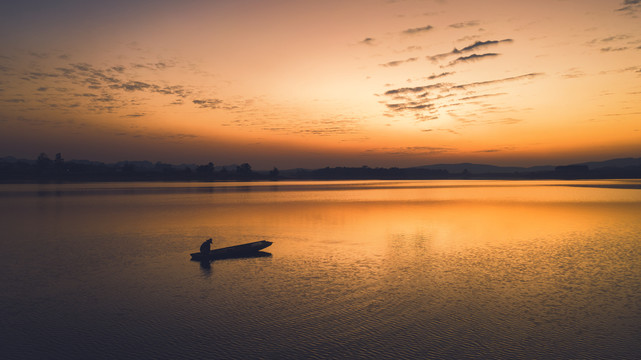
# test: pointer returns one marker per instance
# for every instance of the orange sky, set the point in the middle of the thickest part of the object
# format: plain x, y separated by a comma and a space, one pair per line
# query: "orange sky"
315, 84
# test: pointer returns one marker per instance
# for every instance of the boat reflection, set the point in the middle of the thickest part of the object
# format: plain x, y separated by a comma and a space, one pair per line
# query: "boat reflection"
206, 264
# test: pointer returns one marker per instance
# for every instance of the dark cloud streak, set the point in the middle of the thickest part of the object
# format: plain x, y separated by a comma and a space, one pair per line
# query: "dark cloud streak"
416, 99
466, 24
418, 30
473, 57
208, 103
630, 7
482, 44
367, 41
475, 46
398, 62
491, 82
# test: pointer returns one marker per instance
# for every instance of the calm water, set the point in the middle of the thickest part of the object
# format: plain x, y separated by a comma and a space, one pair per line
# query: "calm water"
416, 269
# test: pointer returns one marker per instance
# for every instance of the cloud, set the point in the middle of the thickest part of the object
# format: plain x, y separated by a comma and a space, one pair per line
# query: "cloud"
504, 121
119, 69
55, 83
502, 149
481, 96
415, 89
177, 90
615, 37
208, 103
418, 30
462, 25
611, 49
367, 41
436, 76
473, 57
573, 73
399, 62
491, 82
418, 102
41, 55
630, 7
475, 46
412, 150
131, 86
181, 136
409, 106
482, 44
40, 75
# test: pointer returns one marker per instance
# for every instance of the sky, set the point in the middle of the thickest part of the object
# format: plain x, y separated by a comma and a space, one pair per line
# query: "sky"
292, 83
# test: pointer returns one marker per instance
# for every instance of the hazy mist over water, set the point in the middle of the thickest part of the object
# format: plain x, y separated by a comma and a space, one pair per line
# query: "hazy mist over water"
359, 269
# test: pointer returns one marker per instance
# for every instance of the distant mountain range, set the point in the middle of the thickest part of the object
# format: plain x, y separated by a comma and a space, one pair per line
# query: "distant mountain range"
492, 169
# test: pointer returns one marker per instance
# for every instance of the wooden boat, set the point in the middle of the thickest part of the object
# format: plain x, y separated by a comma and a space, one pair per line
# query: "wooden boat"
248, 249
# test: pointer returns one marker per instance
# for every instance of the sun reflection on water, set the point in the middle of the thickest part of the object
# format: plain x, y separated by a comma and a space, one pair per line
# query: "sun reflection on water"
361, 269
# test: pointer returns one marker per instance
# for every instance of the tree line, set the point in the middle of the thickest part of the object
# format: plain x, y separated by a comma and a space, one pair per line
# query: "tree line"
57, 169
46, 169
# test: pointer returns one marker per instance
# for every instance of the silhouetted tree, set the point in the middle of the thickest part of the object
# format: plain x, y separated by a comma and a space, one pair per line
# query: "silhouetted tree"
128, 168
43, 161
59, 165
59, 160
165, 168
274, 173
244, 169
205, 169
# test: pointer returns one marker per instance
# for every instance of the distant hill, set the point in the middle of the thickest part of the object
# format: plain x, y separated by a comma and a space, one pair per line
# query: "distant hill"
492, 169
484, 169
617, 163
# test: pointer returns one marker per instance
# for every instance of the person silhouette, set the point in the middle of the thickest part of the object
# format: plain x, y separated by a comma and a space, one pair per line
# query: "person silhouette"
205, 248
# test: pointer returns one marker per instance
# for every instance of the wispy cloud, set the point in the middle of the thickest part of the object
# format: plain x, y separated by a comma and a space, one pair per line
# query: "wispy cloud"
498, 81
399, 62
612, 49
131, 86
630, 7
418, 30
573, 73
475, 97
472, 47
411, 150
208, 103
415, 89
329, 126
368, 41
473, 57
482, 44
465, 24
426, 102
436, 76
99, 89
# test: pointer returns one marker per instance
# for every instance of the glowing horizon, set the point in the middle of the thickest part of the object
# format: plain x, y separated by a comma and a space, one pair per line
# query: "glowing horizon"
300, 84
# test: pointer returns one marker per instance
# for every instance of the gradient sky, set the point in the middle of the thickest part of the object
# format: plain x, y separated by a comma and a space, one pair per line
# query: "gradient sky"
314, 84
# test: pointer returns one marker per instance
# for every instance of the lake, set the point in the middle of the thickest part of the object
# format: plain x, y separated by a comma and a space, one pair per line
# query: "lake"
358, 269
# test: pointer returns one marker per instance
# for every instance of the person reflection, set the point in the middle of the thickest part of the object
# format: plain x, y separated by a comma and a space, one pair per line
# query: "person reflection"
205, 265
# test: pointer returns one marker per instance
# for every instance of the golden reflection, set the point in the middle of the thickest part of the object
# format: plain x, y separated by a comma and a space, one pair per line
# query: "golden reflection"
461, 264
